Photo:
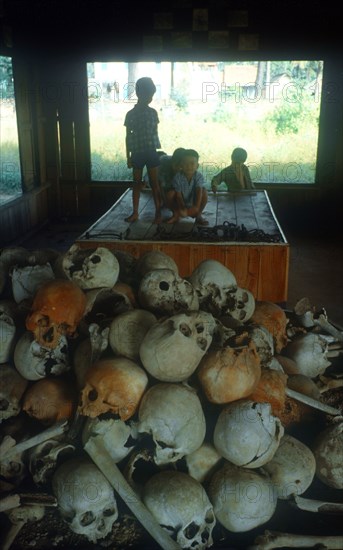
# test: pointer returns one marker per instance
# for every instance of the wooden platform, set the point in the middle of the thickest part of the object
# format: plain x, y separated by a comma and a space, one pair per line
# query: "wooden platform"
243, 234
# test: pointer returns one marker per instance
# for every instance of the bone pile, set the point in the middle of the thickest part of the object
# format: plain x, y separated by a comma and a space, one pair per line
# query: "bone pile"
187, 401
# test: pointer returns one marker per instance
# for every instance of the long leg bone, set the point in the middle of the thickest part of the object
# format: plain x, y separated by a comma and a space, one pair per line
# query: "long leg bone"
102, 459
274, 539
311, 505
312, 402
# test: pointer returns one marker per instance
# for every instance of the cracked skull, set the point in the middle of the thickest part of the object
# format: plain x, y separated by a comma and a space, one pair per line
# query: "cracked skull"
163, 291
179, 503
247, 434
12, 389
172, 349
91, 268
113, 385
173, 416
57, 309
85, 498
34, 361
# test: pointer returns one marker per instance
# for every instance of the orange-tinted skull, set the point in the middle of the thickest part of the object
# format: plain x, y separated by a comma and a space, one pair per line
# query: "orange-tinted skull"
50, 400
57, 308
274, 319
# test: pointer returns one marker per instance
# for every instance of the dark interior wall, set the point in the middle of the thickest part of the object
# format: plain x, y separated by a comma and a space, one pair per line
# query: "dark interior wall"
54, 38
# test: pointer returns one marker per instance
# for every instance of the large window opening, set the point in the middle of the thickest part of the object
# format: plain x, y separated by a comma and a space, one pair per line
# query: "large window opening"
270, 108
10, 172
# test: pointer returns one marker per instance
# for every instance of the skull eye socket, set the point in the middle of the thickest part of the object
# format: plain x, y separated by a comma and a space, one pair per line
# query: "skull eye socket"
191, 530
95, 259
92, 395
163, 285
185, 330
43, 321
4, 404
199, 328
202, 343
109, 512
209, 518
87, 518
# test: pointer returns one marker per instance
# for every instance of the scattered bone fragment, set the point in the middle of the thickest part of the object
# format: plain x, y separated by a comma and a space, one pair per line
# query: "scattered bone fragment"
18, 517
309, 317
312, 505
274, 539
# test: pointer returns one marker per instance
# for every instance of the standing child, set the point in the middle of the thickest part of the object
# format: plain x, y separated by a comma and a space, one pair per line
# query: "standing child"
142, 142
237, 175
188, 196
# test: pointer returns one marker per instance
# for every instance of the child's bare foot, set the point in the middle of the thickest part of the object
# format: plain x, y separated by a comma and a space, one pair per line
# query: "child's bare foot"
132, 218
173, 219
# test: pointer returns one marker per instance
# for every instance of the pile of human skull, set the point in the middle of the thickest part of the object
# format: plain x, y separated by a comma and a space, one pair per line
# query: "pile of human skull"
184, 383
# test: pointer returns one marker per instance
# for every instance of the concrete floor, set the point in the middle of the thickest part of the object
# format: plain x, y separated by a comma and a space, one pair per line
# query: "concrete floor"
315, 270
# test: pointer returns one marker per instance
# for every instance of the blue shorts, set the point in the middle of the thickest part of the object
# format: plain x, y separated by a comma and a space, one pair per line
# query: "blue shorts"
150, 159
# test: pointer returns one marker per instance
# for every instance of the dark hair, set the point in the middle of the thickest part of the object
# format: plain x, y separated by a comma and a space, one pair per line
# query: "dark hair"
145, 87
178, 154
239, 155
191, 153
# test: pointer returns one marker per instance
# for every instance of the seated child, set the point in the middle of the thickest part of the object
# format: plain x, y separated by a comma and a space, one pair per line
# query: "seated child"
188, 196
237, 175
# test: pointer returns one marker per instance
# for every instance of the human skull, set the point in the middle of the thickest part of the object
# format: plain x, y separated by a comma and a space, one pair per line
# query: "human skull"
179, 503
27, 280
57, 309
45, 458
128, 330
273, 318
263, 341
216, 287
172, 414
230, 373
155, 259
50, 400
164, 292
12, 388
91, 268
7, 330
113, 385
118, 437
34, 361
328, 451
247, 434
309, 352
85, 498
103, 304
242, 498
172, 349
292, 467
240, 304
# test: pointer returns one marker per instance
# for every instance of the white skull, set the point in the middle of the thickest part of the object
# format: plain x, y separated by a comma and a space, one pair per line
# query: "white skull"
241, 304
172, 349
292, 467
263, 341
27, 280
91, 268
118, 437
12, 388
44, 459
242, 498
7, 330
309, 351
215, 285
155, 259
247, 434
128, 330
328, 452
34, 361
172, 414
163, 291
181, 506
85, 498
